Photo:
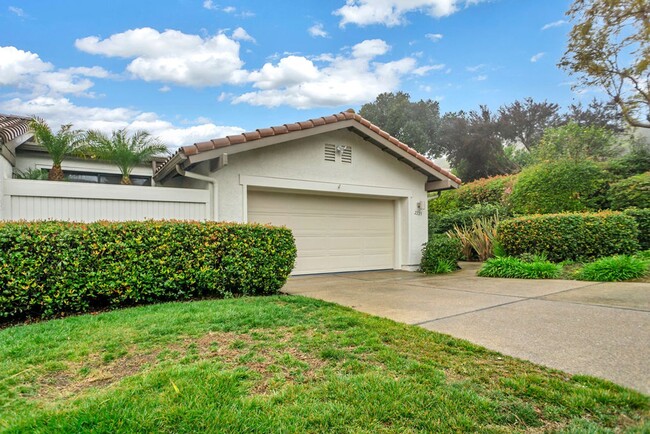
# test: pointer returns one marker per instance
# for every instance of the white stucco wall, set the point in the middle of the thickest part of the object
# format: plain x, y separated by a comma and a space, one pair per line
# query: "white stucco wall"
300, 164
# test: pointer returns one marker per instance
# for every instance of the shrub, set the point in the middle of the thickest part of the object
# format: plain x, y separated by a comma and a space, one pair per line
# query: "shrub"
494, 191
516, 268
572, 236
577, 142
477, 238
636, 161
51, 268
642, 217
631, 192
613, 269
441, 223
446, 201
558, 187
440, 255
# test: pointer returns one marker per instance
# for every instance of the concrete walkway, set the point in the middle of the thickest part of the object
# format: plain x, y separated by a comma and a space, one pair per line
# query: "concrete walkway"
600, 329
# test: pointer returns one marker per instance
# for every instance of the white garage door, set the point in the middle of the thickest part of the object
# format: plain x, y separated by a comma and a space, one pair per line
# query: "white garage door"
332, 233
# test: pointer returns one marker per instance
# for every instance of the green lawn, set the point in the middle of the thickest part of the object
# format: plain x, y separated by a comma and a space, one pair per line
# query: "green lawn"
284, 364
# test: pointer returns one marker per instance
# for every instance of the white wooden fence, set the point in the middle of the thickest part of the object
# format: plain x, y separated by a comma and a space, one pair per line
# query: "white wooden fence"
24, 199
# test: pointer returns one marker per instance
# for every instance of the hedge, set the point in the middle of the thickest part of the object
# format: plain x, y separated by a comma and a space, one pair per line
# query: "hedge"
631, 192
559, 187
642, 217
571, 236
440, 255
494, 190
441, 223
51, 268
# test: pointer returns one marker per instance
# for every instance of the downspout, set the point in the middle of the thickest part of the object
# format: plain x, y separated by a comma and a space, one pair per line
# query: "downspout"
212, 188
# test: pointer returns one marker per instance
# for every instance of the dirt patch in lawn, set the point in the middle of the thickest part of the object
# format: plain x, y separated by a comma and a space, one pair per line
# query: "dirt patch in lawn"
271, 354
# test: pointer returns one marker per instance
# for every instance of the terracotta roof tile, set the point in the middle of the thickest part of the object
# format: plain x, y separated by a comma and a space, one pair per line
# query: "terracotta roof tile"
252, 135
266, 132
298, 126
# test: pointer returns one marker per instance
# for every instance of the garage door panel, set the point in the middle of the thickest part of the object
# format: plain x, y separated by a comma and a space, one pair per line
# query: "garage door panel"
332, 233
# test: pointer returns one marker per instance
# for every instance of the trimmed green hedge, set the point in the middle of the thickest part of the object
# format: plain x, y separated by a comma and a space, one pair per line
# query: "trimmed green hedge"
572, 236
441, 223
631, 192
441, 255
642, 217
51, 268
559, 187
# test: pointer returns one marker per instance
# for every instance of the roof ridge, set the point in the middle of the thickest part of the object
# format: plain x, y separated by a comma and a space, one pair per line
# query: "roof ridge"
261, 133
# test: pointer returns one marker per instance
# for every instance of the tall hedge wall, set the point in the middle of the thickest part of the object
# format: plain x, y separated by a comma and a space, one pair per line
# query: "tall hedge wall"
51, 268
571, 236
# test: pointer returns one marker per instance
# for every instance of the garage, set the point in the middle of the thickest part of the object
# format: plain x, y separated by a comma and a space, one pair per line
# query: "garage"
333, 233
354, 197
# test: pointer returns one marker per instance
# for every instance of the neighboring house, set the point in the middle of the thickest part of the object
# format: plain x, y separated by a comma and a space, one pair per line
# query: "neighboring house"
354, 197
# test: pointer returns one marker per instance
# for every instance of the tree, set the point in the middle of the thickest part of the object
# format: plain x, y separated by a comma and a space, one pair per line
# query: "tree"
577, 143
414, 123
473, 145
525, 122
609, 47
124, 150
65, 142
597, 113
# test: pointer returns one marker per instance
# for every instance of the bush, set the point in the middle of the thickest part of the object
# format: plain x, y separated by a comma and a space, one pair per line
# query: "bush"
572, 236
494, 191
516, 268
440, 255
51, 268
560, 186
477, 239
633, 163
642, 217
446, 201
613, 269
631, 192
442, 223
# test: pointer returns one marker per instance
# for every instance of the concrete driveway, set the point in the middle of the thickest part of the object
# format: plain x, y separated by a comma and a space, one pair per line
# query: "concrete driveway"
599, 329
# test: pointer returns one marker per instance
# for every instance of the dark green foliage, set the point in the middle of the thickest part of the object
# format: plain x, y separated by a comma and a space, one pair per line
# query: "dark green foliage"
440, 255
51, 268
577, 142
445, 201
634, 162
572, 236
414, 123
516, 268
494, 191
560, 186
632, 192
613, 269
441, 223
642, 217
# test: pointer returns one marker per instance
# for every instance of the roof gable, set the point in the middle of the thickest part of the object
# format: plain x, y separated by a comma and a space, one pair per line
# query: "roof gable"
190, 155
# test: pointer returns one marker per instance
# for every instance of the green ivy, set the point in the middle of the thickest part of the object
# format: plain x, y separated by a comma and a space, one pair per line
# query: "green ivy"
571, 236
51, 268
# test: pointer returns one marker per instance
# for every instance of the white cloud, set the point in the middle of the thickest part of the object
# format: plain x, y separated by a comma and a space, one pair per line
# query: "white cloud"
229, 9
58, 111
554, 24
172, 56
537, 56
370, 48
434, 37
345, 79
164, 89
242, 35
317, 31
481, 77
423, 70
475, 68
26, 71
17, 11
208, 4
391, 12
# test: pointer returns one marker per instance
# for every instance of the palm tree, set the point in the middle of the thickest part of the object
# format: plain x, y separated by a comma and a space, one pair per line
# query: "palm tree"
124, 150
65, 142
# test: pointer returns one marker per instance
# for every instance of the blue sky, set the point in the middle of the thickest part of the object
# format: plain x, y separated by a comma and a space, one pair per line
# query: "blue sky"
189, 70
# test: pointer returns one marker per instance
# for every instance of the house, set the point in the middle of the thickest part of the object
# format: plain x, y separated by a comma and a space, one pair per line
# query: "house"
354, 197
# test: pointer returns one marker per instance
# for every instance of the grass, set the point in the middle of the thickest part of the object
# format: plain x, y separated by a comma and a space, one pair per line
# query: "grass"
284, 364
510, 267
613, 269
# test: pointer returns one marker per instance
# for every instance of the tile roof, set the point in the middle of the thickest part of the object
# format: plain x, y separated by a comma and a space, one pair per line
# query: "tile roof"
258, 134
12, 127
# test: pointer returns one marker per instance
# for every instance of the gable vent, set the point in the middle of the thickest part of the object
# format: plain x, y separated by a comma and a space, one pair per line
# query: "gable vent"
330, 152
346, 155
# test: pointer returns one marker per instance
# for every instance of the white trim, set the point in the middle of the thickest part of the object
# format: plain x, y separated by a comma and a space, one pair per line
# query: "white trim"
325, 187
28, 187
